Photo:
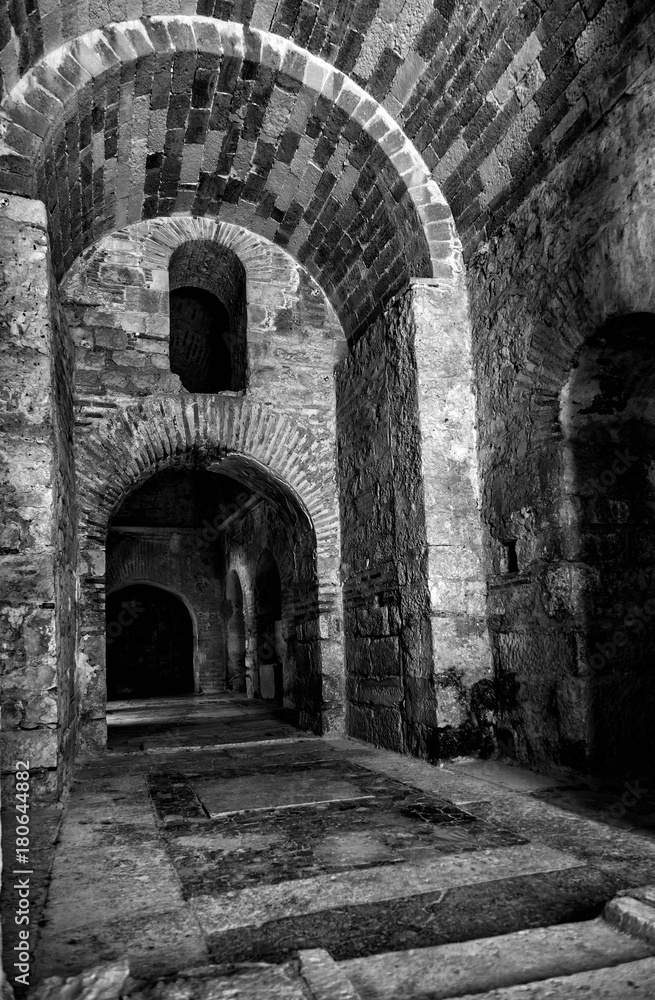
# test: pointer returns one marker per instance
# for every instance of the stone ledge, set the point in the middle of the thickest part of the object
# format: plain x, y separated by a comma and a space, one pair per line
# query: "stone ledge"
633, 912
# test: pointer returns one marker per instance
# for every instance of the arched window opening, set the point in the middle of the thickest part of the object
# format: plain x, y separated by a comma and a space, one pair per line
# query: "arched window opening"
149, 644
208, 317
236, 635
268, 606
200, 340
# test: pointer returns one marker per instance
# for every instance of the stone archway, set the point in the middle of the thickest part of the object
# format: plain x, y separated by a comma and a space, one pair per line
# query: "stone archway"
243, 441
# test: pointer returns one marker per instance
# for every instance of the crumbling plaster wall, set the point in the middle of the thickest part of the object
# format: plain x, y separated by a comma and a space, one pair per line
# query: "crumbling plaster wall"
579, 251
38, 537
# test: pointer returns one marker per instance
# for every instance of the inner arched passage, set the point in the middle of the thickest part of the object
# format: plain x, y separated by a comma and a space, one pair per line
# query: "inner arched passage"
184, 529
149, 644
608, 416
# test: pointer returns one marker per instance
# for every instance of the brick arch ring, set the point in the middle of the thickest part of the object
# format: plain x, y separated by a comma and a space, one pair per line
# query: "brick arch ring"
236, 436
242, 438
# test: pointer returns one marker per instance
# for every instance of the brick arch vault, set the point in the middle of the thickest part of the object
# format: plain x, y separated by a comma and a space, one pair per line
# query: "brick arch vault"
235, 436
254, 130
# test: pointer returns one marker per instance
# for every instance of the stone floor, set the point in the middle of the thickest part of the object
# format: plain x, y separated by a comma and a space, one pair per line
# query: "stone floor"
213, 832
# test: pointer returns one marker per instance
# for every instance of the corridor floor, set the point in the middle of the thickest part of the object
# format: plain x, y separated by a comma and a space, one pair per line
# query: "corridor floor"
211, 831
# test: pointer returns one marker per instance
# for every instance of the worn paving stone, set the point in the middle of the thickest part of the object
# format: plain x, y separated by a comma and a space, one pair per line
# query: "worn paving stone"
252, 982
457, 914
153, 943
379, 821
400, 866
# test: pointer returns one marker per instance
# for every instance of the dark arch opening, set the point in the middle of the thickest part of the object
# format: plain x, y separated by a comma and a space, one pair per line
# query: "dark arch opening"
268, 608
609, 418
236, 635
200, 340
149, 644
208, 317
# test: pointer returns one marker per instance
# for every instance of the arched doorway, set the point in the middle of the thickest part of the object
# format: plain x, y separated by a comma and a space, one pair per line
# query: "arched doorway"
268, 607
149, 644
608, 416
236, 635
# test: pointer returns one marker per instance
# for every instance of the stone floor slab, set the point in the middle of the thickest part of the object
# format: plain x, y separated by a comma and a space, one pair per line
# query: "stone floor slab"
274, 902
267, 791
155, 944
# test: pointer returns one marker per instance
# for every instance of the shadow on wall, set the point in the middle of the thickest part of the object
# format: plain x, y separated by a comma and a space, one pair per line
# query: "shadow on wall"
608, 417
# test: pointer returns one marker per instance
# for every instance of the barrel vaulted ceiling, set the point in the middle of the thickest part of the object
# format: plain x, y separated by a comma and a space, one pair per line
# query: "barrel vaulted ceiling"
349, 167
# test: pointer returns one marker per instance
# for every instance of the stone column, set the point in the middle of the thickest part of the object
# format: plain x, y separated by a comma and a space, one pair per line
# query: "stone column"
37, 527
414, 589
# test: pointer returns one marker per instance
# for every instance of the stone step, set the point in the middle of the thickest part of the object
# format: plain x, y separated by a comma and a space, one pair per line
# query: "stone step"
510, 965
633, 979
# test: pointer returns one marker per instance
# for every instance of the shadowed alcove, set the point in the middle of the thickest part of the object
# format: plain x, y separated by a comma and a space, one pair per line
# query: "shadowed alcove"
609, 418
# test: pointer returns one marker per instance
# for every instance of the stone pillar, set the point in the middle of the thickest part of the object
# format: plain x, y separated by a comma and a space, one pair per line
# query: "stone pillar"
414, 589
456, 579
37, 527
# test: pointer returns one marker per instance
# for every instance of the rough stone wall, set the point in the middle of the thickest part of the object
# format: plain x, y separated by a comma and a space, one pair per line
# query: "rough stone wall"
383, 532
184, 563
303, 640
37, 540
66, 540
578, 252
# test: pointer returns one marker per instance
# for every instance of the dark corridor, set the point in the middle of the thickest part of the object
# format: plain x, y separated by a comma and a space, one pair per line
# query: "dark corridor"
149, 644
